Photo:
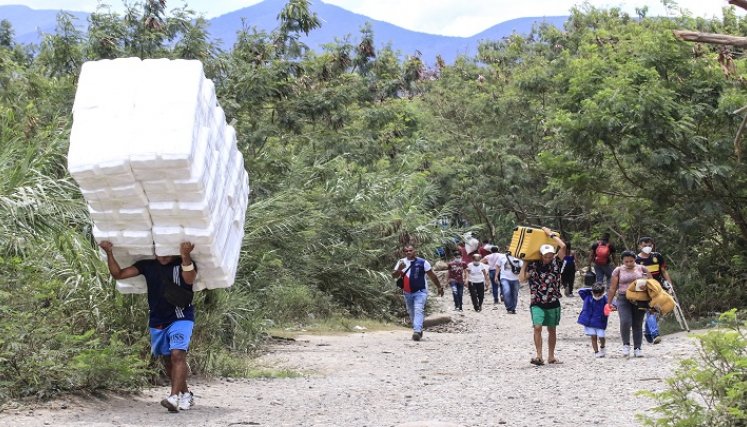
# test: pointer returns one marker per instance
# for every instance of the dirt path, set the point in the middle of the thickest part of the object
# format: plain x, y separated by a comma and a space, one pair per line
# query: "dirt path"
476, 375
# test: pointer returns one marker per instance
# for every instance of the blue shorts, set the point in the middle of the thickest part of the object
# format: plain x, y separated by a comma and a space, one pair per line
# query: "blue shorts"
176, 336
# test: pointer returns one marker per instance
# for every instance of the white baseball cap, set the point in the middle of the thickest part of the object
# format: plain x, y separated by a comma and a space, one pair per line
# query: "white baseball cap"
546, 249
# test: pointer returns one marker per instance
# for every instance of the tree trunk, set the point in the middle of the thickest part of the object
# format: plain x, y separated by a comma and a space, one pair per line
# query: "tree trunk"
721, 39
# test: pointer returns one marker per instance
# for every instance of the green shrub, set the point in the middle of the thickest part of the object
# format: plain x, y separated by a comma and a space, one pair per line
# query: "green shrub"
710, 390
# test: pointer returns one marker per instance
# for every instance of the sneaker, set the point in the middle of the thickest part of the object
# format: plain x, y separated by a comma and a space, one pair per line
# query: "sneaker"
598, 354
416, 336
637, 352
171, 403
602, 352
626, 350
657, 340
186, 401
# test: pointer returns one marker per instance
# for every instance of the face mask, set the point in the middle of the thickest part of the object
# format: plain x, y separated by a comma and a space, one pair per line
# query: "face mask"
647, 249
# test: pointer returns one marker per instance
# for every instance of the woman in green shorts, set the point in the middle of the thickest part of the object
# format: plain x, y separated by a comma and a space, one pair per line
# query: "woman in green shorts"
544, 288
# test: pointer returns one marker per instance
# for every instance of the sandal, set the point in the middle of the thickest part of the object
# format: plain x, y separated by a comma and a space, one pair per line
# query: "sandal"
555, 362
536, 361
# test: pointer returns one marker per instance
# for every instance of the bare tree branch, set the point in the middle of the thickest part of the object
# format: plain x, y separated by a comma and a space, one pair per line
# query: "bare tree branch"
720, 39
737, 147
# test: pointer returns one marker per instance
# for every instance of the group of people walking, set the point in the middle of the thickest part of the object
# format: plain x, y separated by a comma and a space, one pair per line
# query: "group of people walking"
548, 279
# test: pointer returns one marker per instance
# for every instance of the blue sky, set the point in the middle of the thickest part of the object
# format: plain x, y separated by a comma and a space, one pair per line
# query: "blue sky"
447, 17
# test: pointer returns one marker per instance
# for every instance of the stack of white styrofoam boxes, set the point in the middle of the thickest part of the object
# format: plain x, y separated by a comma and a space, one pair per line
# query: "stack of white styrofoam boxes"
157, 164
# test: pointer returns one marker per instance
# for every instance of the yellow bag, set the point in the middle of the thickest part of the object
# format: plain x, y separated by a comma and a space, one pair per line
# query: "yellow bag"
636, 291
661, 301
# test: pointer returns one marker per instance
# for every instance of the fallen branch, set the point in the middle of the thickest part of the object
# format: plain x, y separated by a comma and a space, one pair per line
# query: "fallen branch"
721, 39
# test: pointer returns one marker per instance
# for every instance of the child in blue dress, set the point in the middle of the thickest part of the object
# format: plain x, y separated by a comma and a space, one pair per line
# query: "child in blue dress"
593, 317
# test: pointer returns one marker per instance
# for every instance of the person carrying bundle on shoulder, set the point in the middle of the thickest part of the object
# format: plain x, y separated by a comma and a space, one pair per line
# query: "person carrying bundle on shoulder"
656, 264
544, 288
630, 314
171, 313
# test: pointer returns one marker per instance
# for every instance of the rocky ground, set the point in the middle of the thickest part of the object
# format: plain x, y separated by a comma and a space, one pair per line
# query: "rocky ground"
472, 372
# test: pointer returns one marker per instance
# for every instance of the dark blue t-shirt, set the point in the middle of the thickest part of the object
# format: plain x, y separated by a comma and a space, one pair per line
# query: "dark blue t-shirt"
163, 313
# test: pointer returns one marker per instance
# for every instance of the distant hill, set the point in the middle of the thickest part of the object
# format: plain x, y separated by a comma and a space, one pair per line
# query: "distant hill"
337, 23
29, 24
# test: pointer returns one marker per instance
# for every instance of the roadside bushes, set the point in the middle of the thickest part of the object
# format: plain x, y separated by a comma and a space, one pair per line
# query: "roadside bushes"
710, 389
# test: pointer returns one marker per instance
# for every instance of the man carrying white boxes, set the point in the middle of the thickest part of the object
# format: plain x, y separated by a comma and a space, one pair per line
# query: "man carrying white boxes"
162, 175
172, 315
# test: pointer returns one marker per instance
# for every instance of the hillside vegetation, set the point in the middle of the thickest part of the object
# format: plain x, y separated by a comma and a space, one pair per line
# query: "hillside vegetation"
608, 125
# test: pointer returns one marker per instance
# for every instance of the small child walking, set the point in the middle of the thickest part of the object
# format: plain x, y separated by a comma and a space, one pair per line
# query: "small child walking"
593, 317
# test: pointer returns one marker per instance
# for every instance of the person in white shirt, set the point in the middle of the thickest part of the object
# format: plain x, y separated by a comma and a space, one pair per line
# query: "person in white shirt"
491, 261
477, 276
412, 270
509, 268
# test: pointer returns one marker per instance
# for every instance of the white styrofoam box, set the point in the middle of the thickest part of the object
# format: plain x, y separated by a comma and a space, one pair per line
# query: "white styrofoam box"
182, 214
194, 179
97, 149
170, 82
168, 240
107, 84
209, 262
146, 251
217, 244
134, 285
131, 195
167, 151
133, 238
234, 178
91, 180
218, 126
156, 152
202, 235
208, 94
109, 204
168, 236
123, 238
133, 219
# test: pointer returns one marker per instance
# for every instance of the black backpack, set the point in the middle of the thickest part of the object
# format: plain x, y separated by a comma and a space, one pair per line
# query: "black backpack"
513, 263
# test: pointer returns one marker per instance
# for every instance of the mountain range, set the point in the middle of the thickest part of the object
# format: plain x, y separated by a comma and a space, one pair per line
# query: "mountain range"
337, 23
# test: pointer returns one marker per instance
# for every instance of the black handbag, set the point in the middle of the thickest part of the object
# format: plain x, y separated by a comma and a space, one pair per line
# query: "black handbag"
401, 279
175, 294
